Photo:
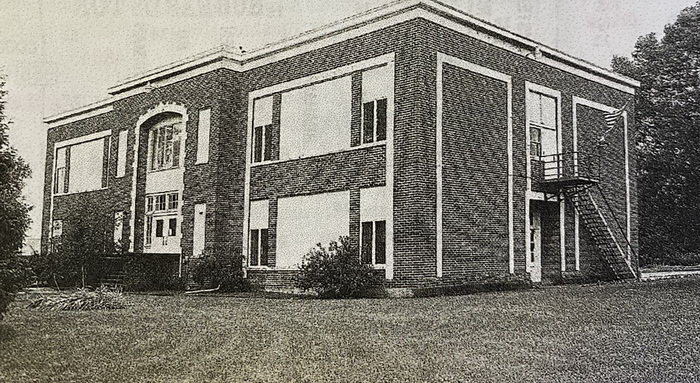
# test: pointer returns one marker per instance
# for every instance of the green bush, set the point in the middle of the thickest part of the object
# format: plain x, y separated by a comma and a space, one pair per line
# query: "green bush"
218, 271
152, 272
336, 271
102, 298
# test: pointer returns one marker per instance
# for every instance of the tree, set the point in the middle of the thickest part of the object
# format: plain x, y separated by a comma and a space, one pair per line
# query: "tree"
668, 139
14, 213
78, 258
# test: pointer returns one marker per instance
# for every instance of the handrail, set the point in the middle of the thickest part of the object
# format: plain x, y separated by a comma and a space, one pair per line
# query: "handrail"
619, 225
567, 165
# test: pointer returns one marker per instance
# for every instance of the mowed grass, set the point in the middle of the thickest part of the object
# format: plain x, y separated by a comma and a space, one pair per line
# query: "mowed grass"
639, 332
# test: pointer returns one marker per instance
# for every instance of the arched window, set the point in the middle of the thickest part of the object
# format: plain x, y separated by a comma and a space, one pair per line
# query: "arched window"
164, 144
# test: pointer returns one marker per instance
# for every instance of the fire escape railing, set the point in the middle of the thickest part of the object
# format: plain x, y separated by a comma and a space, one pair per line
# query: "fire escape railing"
567, 165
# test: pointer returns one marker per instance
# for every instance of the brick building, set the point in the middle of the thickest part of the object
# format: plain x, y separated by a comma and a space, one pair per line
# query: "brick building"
450, 150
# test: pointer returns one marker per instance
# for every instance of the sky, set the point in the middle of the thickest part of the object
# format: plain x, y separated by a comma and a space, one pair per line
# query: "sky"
59, 55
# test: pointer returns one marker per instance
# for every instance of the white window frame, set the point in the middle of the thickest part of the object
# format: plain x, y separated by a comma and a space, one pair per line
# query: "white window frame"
374, 127
156, 213
374, 207
542, 126
263, 146
378, 61
259, 220
174, 125
262, 119
65, 145
530, 195
374, 242
60, 187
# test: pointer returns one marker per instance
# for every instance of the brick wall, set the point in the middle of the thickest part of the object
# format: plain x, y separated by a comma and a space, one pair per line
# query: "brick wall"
475, 175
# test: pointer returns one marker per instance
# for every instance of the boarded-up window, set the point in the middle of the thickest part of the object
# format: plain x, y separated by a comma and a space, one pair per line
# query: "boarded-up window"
304, 221
121, 153
86, 166
199, 235
316, 119
203, 136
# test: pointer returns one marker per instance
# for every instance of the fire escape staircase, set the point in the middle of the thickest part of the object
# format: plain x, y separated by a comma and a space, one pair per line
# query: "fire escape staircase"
562, 174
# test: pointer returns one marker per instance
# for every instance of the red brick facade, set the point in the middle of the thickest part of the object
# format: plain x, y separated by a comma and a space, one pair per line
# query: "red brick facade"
475, 156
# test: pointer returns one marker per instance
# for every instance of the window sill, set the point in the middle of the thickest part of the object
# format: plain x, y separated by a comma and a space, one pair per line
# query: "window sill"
162, 213
163, 170
358, 147
79, 192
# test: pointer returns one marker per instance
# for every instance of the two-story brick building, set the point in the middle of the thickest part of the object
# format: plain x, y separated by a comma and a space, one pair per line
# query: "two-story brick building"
450, 150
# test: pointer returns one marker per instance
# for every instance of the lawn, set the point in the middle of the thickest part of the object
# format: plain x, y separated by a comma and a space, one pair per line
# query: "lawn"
639, 332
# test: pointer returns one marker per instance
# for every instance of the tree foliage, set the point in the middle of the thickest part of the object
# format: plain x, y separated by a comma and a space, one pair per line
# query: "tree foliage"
14, 212
76, 257
668, 137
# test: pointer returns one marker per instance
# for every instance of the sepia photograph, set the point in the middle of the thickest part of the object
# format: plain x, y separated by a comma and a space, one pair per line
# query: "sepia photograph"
441, 191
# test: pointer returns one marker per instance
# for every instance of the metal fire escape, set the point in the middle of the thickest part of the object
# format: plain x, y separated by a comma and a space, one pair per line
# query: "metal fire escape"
562, 174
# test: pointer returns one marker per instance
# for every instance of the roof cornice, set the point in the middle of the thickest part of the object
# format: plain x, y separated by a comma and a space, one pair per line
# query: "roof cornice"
386, 15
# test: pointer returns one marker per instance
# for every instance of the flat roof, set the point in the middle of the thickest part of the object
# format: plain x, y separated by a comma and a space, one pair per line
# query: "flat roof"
374, 19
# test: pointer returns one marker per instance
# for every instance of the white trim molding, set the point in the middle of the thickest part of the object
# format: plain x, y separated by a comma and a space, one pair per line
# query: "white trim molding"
387, 59
69, 142
529, 194
447, 59
81, 139
87, 111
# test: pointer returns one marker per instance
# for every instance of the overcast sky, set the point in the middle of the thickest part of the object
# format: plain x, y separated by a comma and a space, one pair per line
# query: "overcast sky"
59, 55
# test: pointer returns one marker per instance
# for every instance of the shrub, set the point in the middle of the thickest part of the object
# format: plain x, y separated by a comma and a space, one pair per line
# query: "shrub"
54, 269
336, 271
14, 275
102, 298
76, 258
152, 272
224, 272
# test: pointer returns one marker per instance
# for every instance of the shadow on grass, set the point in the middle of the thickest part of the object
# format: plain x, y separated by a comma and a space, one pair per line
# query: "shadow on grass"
7, 332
